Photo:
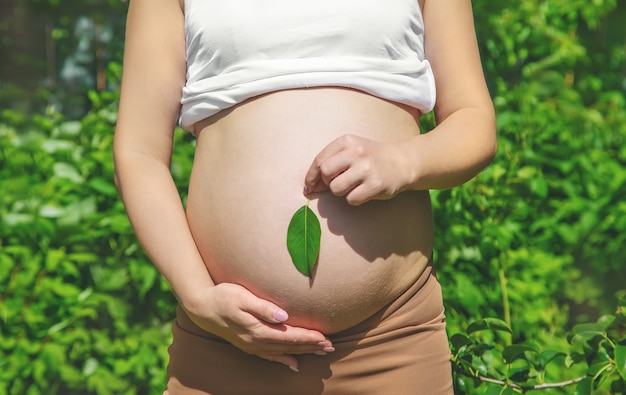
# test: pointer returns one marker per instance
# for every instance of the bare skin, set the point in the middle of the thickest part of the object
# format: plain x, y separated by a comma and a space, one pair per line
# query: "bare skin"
360, 159
247, 181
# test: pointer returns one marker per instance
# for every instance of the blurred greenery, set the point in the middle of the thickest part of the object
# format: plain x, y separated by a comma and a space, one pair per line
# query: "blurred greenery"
531, 254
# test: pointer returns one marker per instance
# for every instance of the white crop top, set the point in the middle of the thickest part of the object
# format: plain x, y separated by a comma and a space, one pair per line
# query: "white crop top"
238, 49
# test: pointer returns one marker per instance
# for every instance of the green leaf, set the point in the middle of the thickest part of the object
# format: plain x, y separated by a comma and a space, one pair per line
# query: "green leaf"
59, 327
618, 386
90, 366
480, 365
620, 358
144, 275
589, 331
303, 240
66, 170
109, 279
103, 186
508, 391
574, 358
539, 187
53, 259
464, 384
459, 340
584, 387
70, 128
519, 375
516, 351
606, 321
492, 389
597, 368
488, 323
548, 356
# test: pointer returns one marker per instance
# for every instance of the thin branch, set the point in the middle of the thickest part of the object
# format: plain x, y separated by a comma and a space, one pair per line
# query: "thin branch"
531, 387
557, 385
506, 307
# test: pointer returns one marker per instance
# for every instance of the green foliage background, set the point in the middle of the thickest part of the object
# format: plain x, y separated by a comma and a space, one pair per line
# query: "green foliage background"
536, 240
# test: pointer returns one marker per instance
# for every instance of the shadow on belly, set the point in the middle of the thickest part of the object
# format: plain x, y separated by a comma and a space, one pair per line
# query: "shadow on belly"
378, 229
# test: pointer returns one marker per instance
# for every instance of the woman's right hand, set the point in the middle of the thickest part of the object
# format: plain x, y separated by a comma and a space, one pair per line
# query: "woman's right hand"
254, 325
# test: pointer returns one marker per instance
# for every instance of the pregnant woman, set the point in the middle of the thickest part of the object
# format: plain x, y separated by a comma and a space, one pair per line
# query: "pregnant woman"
289, 101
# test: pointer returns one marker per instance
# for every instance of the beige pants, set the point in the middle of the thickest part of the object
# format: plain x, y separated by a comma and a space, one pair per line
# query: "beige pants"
402, 349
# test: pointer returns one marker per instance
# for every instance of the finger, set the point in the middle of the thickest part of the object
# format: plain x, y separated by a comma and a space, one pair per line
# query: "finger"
288, 360
282, 349
291, 336
345, 182
363, 193
286, 340
273, 330
321, 348
357, 197
313, 179
263, 309
336, 165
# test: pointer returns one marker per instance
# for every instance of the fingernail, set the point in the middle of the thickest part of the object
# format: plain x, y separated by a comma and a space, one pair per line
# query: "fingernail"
305, 190
328, 349
295, 369
320, 352
280, 315
325, 343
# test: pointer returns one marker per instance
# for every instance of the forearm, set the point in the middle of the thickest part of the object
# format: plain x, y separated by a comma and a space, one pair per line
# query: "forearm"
464, 141
158, 218
453, 152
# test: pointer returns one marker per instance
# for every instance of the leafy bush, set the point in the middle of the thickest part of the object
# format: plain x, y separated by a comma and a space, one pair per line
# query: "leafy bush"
537, 239
83, 310
596, 359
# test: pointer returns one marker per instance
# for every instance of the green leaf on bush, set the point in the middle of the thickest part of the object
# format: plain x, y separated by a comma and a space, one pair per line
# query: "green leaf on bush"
459, 340
516, 351
548, 356
490, 389
480, 365
598, 367
584, 387
144, 276
508, 391
67, 170
59, 327
589, 331
488, 323
606, 321
464, 384
620, 358
574, 358
618, 386
303, 239
520, 375
103, 186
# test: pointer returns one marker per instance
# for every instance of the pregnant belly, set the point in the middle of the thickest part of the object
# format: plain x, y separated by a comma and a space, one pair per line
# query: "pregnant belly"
247, 182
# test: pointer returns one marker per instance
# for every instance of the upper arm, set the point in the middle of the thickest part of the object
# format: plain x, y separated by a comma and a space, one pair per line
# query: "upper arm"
153, 76
452, 50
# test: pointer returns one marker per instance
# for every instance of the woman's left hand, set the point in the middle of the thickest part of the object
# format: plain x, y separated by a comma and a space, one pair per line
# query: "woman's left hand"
359, 169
